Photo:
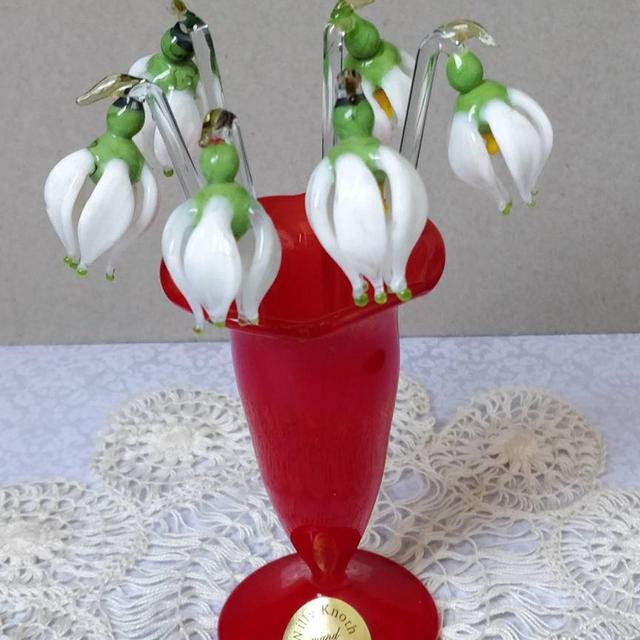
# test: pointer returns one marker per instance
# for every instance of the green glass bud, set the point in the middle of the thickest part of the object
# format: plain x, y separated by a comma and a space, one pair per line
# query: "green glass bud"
343, 16
362, 300
353, 119
363, 39
219, 163
464, 71
125, 118
174, 48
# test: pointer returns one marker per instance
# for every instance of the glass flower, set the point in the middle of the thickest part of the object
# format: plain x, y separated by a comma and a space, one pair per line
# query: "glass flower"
123, 203
367, 234
220, 245
386, 70
175, 72
490, 119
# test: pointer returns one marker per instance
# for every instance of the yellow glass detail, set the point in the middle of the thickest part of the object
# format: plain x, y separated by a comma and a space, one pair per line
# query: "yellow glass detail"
178, 7
385, 202
383, 100
116, 85
491, 144
215, 121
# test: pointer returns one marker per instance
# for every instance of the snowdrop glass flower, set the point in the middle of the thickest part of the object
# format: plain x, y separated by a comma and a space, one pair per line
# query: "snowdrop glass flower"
386, 71
221, 246
175, 72
490, 119
367, 234
123, 202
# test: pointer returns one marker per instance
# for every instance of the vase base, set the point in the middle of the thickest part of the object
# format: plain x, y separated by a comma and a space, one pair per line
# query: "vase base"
391, 601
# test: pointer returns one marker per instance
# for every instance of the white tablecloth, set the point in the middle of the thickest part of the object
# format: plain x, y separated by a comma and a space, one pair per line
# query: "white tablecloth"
496, 504
54, 400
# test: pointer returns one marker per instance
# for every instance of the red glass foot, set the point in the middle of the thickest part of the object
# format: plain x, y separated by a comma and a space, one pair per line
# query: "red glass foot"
392, 602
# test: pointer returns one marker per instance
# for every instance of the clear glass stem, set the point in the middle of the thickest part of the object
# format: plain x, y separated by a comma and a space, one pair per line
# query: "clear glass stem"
451, 35
420, 97
210, 76
244, 175
183, 164
333, 57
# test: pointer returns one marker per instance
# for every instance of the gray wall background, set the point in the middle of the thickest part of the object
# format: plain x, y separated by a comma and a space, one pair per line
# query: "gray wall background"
570, 266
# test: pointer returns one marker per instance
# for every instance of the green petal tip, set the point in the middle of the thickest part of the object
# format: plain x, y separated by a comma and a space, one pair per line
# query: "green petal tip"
405, 295
168, 173
219, 325
82, 273
381, 298
361, 300
507, 210
198, 331
110, 277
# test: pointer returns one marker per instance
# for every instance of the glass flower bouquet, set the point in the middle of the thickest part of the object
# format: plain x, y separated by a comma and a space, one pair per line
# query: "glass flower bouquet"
317, 373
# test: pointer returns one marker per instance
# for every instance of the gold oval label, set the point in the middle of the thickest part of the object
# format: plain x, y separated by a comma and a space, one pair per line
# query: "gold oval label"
327, 619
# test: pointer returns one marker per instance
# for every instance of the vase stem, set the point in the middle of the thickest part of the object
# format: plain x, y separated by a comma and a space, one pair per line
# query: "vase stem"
320, 412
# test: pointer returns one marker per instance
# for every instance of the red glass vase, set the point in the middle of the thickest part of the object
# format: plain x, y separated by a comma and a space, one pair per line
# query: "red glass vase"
318, 381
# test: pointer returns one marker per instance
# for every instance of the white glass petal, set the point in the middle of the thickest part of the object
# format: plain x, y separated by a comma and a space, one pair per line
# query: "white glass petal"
211, 260
175, 236
397, 85
107, 214
359, 218
321, 221
150, 200
139, 68
409, 211
471, 162
525, 103
189, 121
202, 100
61, 192
520, 145
262, 267
145, 139
146, 211
383, 129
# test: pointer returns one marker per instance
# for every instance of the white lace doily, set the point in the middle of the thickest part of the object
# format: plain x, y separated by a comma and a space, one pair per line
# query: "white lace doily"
500, 512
